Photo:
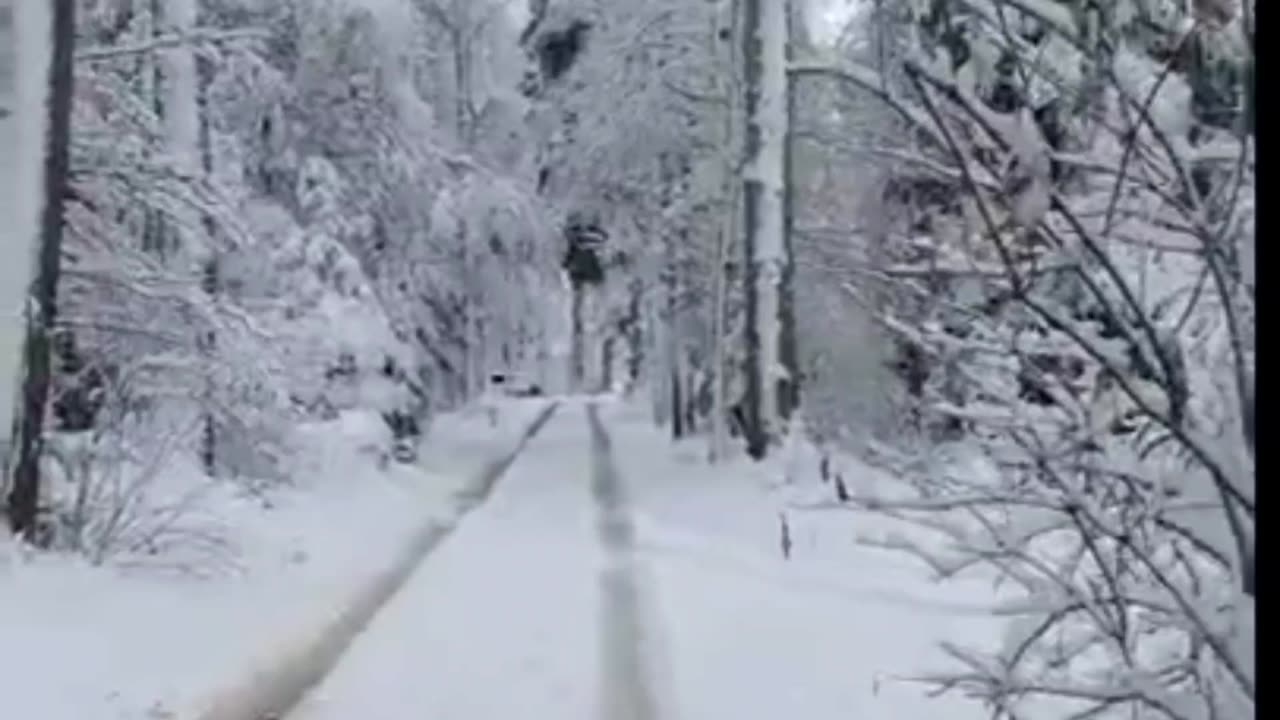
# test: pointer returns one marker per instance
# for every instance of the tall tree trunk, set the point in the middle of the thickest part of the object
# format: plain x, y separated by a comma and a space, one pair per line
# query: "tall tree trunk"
155, 229
690, 406
606, 364
467, 382
201, 75
788, 386
677, 403
42, 310
483, 367
462, 82
724, 243
577, 360
180, 99
764, 36
655, 375
8, 65
18, 237
672, 354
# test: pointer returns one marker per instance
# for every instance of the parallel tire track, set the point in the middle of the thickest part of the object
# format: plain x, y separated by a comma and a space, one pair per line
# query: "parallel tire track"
273, 693
626, 683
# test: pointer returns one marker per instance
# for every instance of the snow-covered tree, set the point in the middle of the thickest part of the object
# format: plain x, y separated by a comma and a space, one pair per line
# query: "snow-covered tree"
1072, 292
267, 222
770, 385
644, 114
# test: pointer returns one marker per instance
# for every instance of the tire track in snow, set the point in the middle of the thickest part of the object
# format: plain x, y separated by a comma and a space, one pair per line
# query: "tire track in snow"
626, 682
273, 693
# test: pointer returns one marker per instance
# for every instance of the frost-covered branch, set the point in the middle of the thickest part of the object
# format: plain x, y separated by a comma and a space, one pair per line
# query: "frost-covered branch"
197, 36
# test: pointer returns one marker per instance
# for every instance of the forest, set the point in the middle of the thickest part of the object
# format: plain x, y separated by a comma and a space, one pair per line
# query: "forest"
1000, 251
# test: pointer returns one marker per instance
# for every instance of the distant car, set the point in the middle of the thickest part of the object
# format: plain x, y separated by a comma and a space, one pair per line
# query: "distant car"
513, 385
405, 451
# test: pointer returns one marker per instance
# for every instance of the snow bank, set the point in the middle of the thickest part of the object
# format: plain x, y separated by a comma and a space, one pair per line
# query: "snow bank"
827, 633
108, 643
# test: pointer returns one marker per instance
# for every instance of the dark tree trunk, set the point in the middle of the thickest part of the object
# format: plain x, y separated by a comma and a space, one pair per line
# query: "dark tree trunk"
606, 364
754, 432
576, 359
788, 388
690, 407
211, 271
635, 336
677, 406
24, 493
155, 230
673, 338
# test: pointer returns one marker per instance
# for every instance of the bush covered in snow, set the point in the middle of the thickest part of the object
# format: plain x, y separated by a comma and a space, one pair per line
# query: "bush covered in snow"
1063, 268
269, 222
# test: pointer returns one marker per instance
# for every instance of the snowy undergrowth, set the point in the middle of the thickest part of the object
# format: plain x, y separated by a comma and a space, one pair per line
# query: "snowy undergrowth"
832, 631
154, 644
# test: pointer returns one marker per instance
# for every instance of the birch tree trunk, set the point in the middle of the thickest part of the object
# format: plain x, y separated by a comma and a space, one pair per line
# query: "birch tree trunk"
764, 37
182, 116
42, 309
724, 241
19, 180
188, 141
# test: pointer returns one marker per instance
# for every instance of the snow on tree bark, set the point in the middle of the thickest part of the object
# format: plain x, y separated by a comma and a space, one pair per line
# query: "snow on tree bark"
20, 170
187, 141
764, 33
42, 309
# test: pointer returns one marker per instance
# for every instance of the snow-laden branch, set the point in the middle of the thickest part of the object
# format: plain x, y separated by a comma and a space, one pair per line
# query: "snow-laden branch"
869, 80
198, 36
1088, 350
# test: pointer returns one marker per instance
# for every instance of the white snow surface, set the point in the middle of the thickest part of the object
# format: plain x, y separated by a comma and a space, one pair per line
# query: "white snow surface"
101, 643
507, 618
499, 621
510, 616
831, 632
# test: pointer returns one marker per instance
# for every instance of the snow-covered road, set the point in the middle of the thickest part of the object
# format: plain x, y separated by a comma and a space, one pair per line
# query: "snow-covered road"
500, 621
535, 607
628, 653
281, 687
562, 598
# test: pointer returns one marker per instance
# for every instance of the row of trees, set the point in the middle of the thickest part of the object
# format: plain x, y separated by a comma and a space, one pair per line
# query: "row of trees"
1010, 245
1006, 244
665, 130
256, 214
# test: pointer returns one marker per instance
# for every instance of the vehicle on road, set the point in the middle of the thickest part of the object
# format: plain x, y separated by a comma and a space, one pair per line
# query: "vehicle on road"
510, 384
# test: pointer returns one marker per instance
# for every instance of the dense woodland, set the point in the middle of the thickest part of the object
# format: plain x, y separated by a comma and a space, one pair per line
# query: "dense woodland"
1011, 235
